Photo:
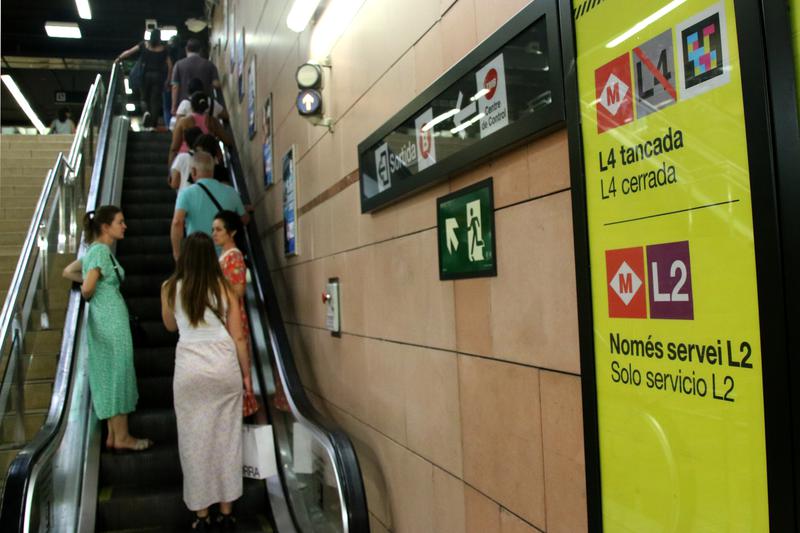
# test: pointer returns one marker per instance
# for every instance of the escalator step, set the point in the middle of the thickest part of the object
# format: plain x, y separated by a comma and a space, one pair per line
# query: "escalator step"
149, 244
146, 308
160, 465
135, 183
128, 507
136, 168
161, 264
161, 195
155, 335
149, 210
158, 425
144, 228
154, 362
155, 392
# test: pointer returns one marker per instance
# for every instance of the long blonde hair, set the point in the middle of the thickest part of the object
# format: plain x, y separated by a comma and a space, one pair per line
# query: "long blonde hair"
203, 283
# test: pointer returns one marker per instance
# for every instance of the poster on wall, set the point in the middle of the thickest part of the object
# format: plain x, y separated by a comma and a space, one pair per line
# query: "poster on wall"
267, 150
240, 64
677, 349
232, 49
251, 97
289, 204
227, 28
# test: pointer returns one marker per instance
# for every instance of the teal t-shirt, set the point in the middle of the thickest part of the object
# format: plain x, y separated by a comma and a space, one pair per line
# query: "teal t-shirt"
200, 210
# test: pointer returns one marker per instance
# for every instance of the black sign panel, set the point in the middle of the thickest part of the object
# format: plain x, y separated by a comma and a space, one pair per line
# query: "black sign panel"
507, 89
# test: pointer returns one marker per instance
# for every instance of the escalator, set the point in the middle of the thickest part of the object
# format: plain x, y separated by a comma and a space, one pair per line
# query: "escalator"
64, 479
144, 490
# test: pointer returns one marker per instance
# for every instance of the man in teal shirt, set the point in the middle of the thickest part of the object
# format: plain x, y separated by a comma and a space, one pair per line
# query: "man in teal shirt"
195, 210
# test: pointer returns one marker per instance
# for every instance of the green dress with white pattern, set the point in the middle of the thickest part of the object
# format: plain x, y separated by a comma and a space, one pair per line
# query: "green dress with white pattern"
112, 378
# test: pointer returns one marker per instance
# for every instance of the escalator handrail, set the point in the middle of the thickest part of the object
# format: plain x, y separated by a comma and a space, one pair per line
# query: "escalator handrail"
17, 492
347, 465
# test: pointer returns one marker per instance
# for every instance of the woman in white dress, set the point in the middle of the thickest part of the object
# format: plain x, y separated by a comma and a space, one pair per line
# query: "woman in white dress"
212, 373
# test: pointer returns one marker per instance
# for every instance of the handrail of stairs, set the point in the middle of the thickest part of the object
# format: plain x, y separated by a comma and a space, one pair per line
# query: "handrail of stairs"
65, 185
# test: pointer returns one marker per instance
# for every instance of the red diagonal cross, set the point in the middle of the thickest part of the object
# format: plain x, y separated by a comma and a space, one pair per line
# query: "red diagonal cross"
657, 73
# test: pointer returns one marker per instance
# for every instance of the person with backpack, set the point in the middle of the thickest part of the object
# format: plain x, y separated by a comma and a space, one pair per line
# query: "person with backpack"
200, 118
156, 67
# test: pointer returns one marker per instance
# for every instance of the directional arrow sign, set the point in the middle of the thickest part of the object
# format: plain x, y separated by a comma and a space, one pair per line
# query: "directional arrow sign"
465, 229
451, 225
309, 102
462, 115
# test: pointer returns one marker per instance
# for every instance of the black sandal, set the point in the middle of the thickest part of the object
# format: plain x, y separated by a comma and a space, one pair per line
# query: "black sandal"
226, 522
202, 523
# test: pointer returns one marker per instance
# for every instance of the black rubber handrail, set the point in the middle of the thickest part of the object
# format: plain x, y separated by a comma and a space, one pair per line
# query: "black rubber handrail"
18, 478
347, 465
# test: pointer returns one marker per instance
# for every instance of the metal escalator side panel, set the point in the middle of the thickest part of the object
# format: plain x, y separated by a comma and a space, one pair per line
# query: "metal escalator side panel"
354, 516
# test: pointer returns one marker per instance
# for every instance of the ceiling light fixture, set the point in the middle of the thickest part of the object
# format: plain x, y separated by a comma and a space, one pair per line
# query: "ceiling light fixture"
84, 11
645, 22
300, 14
332, 24
130, 107
23, 103
128, 89
66, 30
167, 32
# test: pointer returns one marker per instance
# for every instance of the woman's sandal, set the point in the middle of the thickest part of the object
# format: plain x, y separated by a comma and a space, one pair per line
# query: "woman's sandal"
140, 446
202, 524
226, 522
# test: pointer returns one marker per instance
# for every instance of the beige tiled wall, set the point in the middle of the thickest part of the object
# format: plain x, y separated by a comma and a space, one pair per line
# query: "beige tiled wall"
463, 398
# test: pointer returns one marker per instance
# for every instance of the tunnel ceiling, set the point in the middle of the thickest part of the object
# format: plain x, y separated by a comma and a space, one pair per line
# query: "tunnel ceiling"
116, 25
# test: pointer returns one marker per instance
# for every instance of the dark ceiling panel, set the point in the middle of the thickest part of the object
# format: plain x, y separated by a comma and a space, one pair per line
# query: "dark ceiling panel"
115, 26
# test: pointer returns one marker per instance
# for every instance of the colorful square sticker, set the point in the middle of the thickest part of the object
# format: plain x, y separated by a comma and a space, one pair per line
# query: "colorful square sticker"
613, 91
625, 277
704, 59
670, 279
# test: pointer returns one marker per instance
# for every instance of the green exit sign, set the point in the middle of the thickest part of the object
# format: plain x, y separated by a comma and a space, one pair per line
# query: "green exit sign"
465, 225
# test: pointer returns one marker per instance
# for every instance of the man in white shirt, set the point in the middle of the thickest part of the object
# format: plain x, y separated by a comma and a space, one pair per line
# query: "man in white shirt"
181, 170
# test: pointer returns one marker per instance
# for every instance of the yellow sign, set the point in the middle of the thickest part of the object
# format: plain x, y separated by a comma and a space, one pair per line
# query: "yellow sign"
676, 325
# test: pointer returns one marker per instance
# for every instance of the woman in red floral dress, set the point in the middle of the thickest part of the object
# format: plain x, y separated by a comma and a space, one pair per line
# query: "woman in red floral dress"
227, 232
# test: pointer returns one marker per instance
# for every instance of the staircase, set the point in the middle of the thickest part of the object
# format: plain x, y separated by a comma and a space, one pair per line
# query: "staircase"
143, 491
24, 162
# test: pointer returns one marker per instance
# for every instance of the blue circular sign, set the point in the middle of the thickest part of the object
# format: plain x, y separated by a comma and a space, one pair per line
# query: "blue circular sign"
309, 102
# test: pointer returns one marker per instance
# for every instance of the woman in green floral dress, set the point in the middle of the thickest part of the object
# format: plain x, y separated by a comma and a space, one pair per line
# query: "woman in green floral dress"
112, 378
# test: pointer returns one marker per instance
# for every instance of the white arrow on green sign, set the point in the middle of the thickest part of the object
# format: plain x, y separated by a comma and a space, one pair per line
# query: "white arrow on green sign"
465, 224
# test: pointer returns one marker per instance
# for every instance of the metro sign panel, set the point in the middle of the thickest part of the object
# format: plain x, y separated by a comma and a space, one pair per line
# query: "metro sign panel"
625, 273
613, 94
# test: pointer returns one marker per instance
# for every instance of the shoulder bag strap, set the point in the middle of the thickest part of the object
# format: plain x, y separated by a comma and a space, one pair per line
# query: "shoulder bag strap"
216, 203
116, 270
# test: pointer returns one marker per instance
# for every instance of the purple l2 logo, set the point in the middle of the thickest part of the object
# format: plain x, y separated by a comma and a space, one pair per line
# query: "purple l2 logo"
670, 277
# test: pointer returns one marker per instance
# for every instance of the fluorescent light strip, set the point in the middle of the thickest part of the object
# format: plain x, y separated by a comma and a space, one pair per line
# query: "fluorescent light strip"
332, 24
167, 32
300, 14
23, 103
470, 122
478, 94
84, 11
645, 22
66, 30
435, 120
128, 89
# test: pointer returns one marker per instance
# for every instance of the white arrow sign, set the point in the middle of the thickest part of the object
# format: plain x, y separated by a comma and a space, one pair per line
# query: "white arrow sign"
308, 101
462, 115
450, 227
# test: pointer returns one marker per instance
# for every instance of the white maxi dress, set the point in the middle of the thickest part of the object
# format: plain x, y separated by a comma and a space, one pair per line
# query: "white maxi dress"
207, 389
